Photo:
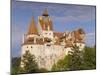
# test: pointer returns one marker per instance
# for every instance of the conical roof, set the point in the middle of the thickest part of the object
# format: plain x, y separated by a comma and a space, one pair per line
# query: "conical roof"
45, 13
32, 27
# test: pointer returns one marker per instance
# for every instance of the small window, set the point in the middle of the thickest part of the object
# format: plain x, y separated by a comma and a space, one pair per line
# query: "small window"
48, 45
31, 47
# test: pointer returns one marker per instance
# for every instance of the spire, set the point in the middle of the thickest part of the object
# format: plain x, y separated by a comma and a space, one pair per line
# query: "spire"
32, 28
45, 13
45, 21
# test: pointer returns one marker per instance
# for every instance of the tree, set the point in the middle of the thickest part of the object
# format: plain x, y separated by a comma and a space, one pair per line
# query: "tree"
75, 59
30, 64
89, 58
61, 65
15, 63
82, 60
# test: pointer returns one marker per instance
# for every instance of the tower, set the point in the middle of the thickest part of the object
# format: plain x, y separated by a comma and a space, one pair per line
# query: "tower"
32, 32
46, 26
30, 39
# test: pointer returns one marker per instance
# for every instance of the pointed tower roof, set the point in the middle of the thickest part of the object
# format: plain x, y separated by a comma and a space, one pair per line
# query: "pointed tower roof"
45, 21
45, 13
32, 27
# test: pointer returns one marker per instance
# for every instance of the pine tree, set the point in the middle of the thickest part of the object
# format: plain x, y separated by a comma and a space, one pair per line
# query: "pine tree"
75, 59
30, 64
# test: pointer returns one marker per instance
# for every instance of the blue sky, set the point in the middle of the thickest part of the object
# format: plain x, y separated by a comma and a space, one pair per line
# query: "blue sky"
65, 17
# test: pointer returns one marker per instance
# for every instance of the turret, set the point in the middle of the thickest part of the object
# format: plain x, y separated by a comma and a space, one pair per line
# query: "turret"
32, 33
46, 26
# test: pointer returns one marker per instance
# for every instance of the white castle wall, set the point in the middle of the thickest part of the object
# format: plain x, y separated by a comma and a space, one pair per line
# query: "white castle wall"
33, 49
53, 54
45, 55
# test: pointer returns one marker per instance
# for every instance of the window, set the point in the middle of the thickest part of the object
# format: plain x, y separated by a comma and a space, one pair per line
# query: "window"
31, 47
48, 45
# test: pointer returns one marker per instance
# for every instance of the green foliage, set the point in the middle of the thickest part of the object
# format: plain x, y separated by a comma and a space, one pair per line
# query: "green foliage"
89, 58
61, 65
30, 64
75, 59
15, 65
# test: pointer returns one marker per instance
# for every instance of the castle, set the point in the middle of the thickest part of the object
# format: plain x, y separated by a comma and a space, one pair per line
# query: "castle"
47, 45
